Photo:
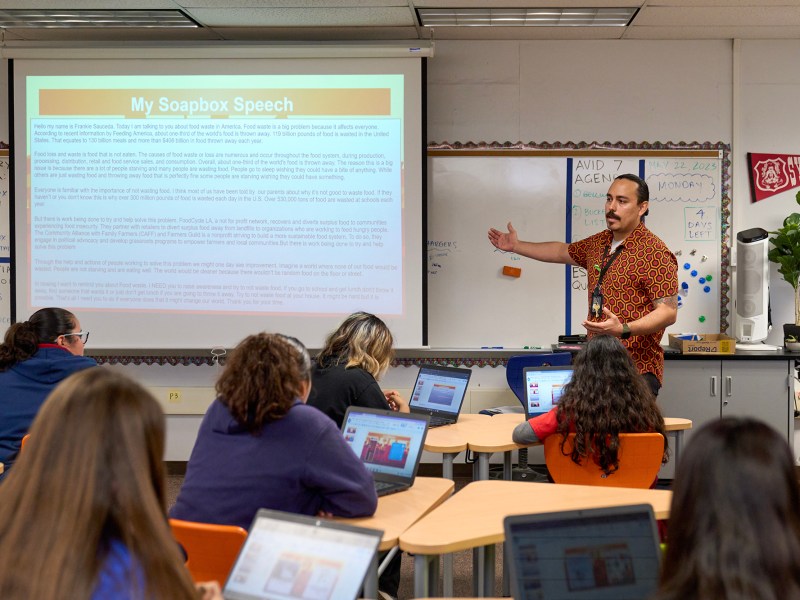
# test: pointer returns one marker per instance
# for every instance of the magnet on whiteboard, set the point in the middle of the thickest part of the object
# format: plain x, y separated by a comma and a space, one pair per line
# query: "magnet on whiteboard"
512, 271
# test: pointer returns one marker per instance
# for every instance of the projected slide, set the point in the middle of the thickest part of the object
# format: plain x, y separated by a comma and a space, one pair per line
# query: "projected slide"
234, 194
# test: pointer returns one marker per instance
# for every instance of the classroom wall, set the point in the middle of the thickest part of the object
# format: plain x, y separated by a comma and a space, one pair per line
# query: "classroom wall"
563, 91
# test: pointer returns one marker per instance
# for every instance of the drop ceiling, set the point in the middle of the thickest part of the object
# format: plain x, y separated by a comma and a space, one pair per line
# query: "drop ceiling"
333, 20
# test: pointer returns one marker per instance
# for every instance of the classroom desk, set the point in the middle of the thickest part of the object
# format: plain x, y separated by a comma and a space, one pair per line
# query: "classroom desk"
450, 440
474, 516
397, 512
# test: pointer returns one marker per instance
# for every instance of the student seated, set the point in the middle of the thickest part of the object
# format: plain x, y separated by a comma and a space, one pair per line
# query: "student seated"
34, 357
83, 515
260, 446
605, 397
348, 368
734, 525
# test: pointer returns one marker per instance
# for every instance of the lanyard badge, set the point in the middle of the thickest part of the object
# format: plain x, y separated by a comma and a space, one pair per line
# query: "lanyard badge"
596, 305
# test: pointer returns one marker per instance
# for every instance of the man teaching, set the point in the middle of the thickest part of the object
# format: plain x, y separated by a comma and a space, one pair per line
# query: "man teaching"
632, 275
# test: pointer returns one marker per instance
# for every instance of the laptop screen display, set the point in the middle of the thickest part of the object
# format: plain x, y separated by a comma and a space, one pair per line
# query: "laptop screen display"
605, 556
303, 557
544, 387
386, 443
440, 389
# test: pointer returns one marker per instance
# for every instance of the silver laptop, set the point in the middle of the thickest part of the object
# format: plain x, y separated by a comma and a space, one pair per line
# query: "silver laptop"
296, 556
544, 387
603, 553
439, 393
388, 443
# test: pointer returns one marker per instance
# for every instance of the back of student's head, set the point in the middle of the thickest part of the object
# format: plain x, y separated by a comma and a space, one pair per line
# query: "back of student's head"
362, 340
22, 339
91, 472
605, 397
734, 526
263, 377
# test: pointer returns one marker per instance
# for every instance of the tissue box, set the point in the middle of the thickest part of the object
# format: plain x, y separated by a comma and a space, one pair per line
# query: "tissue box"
702, 343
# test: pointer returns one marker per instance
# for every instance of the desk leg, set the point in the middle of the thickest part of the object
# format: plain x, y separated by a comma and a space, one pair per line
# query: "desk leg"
678, 444
447, 465
507, 468
483, 465
371, 579
488, 571
426, 575
447, 575
506, 592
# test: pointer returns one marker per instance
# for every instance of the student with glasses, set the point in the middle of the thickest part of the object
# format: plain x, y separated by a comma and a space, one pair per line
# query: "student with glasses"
35, 356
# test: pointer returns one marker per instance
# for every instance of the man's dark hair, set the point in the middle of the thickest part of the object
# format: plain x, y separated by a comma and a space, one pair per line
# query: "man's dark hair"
642, 191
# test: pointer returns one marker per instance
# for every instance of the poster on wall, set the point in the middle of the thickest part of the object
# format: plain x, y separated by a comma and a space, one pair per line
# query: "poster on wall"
772, 174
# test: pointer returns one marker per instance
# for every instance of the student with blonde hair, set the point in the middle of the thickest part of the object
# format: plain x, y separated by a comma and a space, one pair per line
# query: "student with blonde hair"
83, 514
348, 368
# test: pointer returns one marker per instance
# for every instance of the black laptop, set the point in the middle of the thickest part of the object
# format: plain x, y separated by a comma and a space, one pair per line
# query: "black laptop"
296, 556
439, 393
608, 553
544, 387
389, 444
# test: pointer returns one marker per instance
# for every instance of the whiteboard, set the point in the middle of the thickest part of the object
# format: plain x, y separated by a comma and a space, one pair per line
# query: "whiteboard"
559, 195
5, 245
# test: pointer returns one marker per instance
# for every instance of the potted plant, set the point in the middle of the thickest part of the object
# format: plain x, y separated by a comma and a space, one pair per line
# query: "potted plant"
785, 252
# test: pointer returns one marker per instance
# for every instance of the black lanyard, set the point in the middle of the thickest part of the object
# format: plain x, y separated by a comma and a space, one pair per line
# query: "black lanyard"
596, 304
617, 252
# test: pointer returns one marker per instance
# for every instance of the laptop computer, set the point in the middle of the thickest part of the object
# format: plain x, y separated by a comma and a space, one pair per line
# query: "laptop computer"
439, 393
297, 556
388, 443
543, 387
603, 553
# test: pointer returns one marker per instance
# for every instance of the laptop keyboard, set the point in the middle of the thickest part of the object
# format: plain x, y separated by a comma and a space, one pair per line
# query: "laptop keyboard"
439, 421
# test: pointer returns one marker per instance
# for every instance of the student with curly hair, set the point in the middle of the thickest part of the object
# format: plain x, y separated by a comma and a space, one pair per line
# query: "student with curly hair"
348, 368
605, 397
734, 525
83, 514
260, 446
35, 356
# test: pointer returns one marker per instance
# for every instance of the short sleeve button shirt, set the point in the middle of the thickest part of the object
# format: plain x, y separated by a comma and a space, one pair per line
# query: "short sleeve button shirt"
644, 271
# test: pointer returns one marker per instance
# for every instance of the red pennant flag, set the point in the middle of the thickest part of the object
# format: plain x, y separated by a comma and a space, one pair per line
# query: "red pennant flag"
772, 174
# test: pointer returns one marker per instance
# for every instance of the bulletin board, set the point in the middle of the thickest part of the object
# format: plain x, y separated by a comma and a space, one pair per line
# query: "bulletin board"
557, 192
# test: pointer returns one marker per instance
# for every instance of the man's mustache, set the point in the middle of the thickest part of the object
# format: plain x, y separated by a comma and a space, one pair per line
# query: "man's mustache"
612, 215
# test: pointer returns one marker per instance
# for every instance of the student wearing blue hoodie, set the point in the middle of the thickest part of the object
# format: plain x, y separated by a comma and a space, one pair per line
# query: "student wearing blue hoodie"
261, 446
35, 356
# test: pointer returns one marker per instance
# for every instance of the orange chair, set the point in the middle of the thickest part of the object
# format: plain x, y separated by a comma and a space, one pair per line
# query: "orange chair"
211, 549
640, 457
24, 441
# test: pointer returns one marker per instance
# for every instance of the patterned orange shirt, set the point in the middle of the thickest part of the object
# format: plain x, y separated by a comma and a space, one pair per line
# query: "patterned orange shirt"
644, 271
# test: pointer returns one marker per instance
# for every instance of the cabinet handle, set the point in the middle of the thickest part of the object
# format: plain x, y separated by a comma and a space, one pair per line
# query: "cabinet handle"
728, 385
714, 386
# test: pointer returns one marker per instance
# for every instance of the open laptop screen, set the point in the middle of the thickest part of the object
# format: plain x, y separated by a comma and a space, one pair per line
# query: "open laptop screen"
544, 387
440, 389
296, 556
388, 443
606, 553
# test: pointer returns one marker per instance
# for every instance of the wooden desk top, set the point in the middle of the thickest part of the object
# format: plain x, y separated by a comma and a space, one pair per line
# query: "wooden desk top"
484, 433
398, 512
474, 516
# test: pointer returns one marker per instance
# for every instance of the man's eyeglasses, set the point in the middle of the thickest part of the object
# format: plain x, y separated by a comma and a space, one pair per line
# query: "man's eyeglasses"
83, 335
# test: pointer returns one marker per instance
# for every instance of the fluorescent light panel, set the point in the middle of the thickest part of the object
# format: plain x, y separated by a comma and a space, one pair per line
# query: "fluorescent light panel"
78, 19
526, 17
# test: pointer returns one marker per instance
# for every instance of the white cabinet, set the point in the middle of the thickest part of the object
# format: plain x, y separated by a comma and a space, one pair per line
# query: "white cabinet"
703, 389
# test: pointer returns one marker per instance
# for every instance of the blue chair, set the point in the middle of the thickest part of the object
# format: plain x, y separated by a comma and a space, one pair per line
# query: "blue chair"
516, 382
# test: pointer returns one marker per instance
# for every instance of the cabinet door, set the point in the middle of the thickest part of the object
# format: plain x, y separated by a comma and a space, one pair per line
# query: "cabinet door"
691, 390
760, 389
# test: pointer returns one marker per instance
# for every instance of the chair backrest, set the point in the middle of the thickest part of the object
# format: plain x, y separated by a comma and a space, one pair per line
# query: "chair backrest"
211, 549
640, 456
516, 364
